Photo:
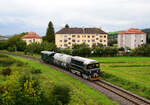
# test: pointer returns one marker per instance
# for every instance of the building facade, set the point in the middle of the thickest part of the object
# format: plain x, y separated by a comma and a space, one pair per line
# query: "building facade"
32, 37
66, 37
131, 38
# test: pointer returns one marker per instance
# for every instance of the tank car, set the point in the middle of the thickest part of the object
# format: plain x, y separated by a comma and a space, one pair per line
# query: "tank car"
62, 60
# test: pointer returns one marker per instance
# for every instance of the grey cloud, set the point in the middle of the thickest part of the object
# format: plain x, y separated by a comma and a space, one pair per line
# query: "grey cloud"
34, 15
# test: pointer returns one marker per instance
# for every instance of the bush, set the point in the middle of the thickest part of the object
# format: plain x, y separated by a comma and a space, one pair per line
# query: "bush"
61, 95
3, 45
6, 63
81, 50
36, 71
11, 49
19, 63
6, 72
143, 50
121, 49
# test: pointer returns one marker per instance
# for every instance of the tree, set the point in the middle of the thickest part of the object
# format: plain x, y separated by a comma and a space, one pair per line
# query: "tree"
50, 33
67, 26
3, 45
16, 42
81, 50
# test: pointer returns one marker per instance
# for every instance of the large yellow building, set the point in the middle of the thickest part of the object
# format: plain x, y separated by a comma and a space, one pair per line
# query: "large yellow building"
32, 37
66, 37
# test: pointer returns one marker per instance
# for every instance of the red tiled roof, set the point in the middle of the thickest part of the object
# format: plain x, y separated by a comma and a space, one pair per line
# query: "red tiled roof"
31, 35
132, 31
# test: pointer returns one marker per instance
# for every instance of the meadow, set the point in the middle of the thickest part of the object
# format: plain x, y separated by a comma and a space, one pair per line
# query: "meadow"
80, 93
130, 73
122, 59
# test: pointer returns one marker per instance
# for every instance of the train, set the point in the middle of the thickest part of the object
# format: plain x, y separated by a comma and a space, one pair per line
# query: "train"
86, 68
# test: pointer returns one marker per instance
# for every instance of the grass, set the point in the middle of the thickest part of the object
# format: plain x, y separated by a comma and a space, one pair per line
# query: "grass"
122, 71
22, 53
122, 59
132, 77
130, 73
81, 94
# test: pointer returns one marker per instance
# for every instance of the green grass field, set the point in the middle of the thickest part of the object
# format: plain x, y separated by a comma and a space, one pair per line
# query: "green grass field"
123, 59
131, 73
22, 53
127, 74
81, 94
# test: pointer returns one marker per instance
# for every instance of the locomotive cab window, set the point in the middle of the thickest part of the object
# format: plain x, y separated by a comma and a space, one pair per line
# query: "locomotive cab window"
92, 66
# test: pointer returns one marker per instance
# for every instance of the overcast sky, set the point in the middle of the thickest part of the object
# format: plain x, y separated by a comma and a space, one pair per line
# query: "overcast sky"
111, 15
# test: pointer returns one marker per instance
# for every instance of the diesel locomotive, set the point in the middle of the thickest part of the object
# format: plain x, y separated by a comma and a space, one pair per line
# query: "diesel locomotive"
86, 68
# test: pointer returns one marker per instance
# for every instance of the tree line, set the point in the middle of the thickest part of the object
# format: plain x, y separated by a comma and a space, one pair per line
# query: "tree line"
15, 43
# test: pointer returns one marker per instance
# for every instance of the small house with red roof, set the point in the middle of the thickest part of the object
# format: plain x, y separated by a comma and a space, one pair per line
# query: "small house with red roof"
32, 37
131, 38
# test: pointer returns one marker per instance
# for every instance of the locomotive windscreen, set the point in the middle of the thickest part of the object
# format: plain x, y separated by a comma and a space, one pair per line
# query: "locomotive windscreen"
92, 66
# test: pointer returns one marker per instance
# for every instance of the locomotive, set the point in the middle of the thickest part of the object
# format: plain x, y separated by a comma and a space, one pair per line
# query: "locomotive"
87, 68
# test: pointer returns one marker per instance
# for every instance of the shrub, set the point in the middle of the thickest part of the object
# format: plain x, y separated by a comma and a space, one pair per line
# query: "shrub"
6, 71
10, 49
6, 63
81, 50
36, 71
61, 95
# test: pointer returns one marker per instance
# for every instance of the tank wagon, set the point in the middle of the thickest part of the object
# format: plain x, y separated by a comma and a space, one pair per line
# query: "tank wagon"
86, 68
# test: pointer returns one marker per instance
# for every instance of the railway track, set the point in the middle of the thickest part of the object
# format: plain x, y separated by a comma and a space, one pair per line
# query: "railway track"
130, 97
123, 97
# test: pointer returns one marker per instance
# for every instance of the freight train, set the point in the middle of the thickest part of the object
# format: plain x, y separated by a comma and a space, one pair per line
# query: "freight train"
87, 68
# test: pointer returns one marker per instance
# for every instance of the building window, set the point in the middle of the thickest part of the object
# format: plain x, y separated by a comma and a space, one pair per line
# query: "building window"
101, 40
33, 40
135, 40
101, 36
93, 36
69, 43
88, 40
105, 36
65, 36
83, 41
78, 41
96, 34
104, 40
97, 39
30, 40
60, 41
88, 36
73, 36
69, 38
78, 36
65, 45
93, 40
73, 40
141, 40
65, 40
